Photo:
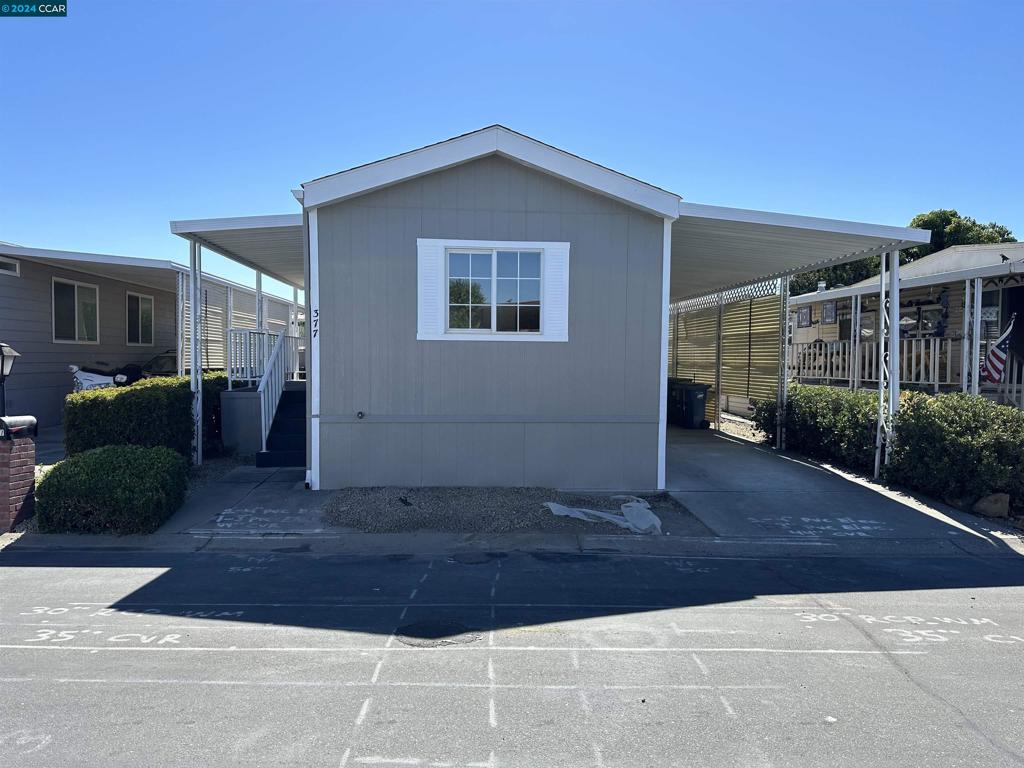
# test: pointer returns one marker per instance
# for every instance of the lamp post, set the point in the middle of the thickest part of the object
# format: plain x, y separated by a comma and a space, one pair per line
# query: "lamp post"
7, 355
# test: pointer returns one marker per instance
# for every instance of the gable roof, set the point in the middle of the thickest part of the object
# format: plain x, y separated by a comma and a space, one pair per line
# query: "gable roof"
493, 140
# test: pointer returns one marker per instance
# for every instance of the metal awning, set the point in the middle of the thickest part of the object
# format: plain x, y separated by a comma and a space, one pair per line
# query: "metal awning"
269, 244
715, 248
151, 273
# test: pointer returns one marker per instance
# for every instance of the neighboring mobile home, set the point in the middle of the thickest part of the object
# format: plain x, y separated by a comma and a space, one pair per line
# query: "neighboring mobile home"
940, 295
491, 310
61, 308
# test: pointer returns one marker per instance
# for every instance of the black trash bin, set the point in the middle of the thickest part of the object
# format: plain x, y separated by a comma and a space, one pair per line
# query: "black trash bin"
677, 400
695, 398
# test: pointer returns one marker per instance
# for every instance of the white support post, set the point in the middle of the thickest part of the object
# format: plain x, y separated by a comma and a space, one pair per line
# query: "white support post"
666, 277
294, 328
883, 365
259, 301
894, 344
229, 324
976, 339
855, 342
196, 357
782, 391
965, 339
718, 366
179, 323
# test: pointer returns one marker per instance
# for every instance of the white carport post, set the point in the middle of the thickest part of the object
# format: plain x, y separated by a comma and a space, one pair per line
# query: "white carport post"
854, 367
976, 339
196, 357
888, 355
965, 339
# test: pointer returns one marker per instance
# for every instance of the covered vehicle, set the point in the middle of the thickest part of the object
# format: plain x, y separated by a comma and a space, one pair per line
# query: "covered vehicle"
100, 374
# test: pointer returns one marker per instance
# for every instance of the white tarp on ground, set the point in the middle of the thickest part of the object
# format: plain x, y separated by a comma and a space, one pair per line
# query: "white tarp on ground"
635, 515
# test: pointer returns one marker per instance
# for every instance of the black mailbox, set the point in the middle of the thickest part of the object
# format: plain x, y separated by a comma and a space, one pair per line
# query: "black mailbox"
13, 427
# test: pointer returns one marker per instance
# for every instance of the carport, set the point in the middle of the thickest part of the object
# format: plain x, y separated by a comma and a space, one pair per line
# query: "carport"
730, 268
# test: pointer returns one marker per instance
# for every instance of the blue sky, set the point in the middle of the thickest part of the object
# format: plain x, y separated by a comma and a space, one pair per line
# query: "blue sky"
128, 114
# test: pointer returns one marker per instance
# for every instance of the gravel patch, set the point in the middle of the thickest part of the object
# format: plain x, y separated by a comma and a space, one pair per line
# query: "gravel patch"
742, 428
483, 510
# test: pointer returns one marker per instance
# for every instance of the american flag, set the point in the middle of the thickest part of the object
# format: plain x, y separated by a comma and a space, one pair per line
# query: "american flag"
995, 361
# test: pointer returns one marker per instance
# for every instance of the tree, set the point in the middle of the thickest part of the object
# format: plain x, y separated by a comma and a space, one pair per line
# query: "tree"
948, 228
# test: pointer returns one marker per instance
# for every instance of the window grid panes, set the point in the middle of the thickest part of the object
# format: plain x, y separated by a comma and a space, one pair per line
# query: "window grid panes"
140, 319
497, 291
75, 312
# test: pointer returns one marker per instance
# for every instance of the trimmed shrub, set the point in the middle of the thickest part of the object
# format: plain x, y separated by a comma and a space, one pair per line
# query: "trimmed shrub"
118, 489
149, 413
826, 423
958, 448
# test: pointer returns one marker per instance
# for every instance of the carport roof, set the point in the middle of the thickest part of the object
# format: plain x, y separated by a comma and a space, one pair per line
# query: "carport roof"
714, 248
153, 273
272, 245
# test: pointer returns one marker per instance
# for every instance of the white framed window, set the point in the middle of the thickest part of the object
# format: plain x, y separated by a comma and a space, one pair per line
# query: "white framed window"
76, 314
492, 290
9, 266
139, 314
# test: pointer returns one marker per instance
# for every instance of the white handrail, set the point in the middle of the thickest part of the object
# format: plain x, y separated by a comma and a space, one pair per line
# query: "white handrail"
270, 388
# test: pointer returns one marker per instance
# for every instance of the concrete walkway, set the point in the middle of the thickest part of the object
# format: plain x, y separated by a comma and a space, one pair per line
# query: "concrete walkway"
251, 501
739, 489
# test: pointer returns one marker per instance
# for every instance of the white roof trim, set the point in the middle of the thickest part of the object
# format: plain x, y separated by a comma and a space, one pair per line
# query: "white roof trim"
188, 226
488, 141
909, 235
864, 288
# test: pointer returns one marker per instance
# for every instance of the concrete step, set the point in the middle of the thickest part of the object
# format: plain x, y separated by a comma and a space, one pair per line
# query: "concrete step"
281, 458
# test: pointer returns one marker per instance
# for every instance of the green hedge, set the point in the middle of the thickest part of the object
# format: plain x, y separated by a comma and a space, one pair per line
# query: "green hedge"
958, 448
826, 423
954, 447
148, 413
118, 489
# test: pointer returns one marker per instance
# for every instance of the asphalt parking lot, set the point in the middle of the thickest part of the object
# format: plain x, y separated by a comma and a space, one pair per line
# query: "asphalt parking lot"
281, 658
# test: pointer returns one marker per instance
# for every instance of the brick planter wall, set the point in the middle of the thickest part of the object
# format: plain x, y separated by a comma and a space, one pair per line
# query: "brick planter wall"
17, 481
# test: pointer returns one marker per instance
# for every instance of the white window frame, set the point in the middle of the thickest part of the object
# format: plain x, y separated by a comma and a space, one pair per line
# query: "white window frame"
152, 314
433, 290
53, 311
15, 262
494, 292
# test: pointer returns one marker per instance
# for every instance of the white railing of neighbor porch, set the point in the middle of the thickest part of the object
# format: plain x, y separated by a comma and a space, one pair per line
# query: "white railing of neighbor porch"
248, 352
922, 362
1011, 388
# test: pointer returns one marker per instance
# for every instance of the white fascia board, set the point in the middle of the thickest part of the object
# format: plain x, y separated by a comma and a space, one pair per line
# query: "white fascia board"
908, 235
587, 174
383, 173
488, 141
198, 226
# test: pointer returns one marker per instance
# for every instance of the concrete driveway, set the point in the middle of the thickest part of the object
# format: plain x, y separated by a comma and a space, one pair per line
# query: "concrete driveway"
740, 489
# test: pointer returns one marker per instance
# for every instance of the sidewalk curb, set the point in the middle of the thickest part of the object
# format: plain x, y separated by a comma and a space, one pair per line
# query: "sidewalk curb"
384, 544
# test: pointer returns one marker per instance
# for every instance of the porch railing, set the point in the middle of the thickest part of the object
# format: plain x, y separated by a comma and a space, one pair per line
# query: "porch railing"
249, 351
923, 362
1011, 388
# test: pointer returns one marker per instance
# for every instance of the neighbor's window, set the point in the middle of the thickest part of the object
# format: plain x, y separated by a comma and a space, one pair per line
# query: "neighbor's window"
140, 319
75, 312
495, 291
9, 266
